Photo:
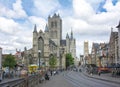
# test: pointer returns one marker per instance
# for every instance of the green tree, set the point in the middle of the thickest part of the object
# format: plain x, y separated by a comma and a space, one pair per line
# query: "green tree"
69, 60
9, 61
52, 62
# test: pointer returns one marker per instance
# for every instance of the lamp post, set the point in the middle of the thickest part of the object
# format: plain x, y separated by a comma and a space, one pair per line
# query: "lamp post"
61, 56
107, 56
39, 51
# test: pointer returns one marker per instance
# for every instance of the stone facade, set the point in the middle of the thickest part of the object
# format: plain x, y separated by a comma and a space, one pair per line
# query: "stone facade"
113, 50
118, 59
95, 48
0, 58
86, 52
49, 43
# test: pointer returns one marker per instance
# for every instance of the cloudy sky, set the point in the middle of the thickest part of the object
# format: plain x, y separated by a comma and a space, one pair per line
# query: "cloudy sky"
90, 20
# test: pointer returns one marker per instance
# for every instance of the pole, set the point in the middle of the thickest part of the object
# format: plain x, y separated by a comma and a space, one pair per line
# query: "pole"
39, 58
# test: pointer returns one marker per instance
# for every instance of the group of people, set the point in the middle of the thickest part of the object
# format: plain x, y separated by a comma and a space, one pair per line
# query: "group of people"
116, 72
46, 74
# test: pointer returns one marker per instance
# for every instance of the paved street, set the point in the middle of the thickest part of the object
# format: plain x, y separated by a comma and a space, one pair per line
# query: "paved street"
76, 79
56, 81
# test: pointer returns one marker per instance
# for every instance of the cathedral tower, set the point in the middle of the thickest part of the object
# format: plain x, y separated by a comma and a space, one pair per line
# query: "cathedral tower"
55, 28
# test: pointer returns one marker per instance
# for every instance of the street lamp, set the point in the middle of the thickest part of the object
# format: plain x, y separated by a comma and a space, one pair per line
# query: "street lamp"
39, 51
61, 55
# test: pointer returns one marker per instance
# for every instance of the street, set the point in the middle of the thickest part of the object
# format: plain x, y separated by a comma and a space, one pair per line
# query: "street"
75, 79
79, 80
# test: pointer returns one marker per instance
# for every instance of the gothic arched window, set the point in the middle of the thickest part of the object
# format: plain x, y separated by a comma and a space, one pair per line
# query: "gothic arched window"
41, 46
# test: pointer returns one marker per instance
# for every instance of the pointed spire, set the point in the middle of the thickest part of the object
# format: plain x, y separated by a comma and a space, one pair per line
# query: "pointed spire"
118, 25
111, 29
35, 29
55, 14
46, 28
58, 15
71, 34
67, 36
49, 17
25, 48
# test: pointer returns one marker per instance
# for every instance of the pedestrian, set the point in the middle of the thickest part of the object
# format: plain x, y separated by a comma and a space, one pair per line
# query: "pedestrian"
51, 72
99, 72
46, 76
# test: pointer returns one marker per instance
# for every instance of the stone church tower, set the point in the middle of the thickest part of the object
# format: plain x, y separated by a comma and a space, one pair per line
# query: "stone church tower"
49, 43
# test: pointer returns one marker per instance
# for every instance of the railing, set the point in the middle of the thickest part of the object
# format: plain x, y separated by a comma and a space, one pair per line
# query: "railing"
28, 81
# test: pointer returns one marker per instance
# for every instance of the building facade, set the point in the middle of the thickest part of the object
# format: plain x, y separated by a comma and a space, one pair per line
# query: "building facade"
49, 43
86, 52
113, 47
95, 47
0, 58
118, 59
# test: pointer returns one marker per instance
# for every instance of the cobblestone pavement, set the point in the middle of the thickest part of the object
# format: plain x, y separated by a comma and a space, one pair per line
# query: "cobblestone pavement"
56, 81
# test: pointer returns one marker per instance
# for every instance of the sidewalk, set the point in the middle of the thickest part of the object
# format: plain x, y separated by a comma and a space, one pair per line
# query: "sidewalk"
105, 77
56, 81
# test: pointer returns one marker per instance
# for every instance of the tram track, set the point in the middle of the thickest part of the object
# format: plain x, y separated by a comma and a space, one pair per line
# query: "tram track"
80, 80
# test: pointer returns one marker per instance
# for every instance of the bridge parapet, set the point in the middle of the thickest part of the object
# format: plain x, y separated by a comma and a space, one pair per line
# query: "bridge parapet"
28, 81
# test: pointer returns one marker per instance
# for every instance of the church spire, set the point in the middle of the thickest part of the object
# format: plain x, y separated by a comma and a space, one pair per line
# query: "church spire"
71, 34
67, 36
46, 28
111, 29
35, 29
118, 25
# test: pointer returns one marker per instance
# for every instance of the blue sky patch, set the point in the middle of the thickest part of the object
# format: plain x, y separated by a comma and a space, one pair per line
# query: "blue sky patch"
66, 3
100, 8
114, 2
27, 6
8, 3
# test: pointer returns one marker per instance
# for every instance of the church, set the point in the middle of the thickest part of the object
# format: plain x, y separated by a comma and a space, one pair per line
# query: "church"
49, 43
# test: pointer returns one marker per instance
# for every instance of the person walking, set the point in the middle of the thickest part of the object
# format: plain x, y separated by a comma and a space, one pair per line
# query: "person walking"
99, 72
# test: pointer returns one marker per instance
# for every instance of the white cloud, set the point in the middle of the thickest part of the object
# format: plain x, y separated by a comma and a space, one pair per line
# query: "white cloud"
8, 26
110, 7
82, 9
16, 12
95, 3
40, 22
45, 7
13, 35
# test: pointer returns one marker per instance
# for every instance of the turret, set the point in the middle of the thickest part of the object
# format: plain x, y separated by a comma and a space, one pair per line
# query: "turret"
67, 43
46, 28
67, 36
35, 29
35, 34
118, 26
71, 34
111, 29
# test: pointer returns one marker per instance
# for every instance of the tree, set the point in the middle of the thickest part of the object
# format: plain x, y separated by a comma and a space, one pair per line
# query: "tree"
52, 62
69, 60
9, 61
